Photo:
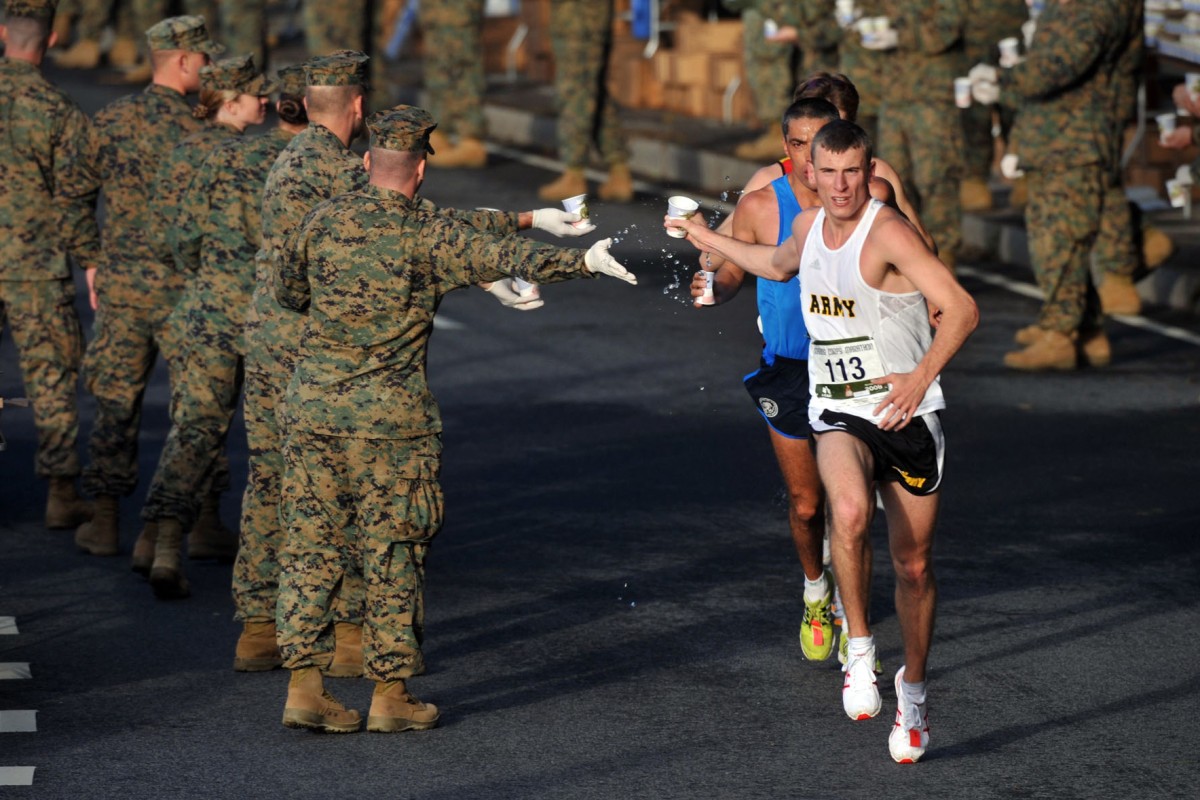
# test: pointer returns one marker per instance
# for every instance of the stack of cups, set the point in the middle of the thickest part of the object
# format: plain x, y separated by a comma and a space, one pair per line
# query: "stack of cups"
962, 92
707, 298
680, 207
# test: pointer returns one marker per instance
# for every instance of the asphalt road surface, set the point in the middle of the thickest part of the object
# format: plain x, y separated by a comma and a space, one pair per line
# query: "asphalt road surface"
614, 601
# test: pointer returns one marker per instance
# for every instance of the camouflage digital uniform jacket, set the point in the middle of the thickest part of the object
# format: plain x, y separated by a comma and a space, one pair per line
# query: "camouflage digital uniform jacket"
314, 167
217, 233
1062, 88
50, 195
369, 309
132, 138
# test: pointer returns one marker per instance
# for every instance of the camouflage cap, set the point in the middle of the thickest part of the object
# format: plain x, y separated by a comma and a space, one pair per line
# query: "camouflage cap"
290, 80
340, 68
237, 74
403, 128
30, 9
183, 33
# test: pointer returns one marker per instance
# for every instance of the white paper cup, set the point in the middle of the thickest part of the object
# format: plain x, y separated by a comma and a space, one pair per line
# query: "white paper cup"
880, 24
1010, 48
680, 207
1179, 193
770, 28
845, 12
707, 299
524, 287
1192, 79
577, 204
962, 92
1166, 124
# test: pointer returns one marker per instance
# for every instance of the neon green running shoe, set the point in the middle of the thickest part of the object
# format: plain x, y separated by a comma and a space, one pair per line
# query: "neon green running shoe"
816, 631
843, 636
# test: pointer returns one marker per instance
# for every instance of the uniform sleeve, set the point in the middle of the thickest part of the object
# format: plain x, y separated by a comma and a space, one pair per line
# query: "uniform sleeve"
186, 235
502, 222
291, 267
77, 185
1065, 48
930, 26
464, 255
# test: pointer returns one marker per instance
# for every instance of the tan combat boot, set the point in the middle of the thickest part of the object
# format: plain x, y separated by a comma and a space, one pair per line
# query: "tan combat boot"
1053, 350
1095, 349
469, 153
393, 710
1019, 197
1028, 335
166, 573
347, 651
768, 147
1118, 295
123, 54
569, 184
84, 54
618, 188
143, 549
310, 706
209, 538
257, 650
64, 507
1157, 247
100, 535
974, 195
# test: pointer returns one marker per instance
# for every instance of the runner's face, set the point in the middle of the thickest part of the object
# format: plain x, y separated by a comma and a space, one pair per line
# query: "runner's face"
798, 146
842, 180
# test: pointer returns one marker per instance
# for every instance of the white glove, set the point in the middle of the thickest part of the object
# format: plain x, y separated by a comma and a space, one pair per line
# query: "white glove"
559, 222
1009, 166
599, 260
504, 291
985, 85
1008, 61
881, 40
1028, 28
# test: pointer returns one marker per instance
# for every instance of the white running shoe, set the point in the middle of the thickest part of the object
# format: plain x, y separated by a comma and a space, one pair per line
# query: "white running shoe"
860, 695
910, 736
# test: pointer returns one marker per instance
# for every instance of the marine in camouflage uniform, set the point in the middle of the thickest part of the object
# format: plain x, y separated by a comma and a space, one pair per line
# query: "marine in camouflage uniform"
1064, 139
919, 130
1116, 254
581, 36
768, 67
137, 285
361, 479
454, 79
173, 499
988, 21
47, 215
315, 165
865, 68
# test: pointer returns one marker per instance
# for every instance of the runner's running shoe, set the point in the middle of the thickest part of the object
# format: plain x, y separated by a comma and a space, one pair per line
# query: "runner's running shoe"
910, 735
860, 695
816, 631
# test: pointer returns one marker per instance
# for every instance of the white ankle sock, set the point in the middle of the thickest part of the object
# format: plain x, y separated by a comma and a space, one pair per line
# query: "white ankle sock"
915, 692
860, 645
816, 590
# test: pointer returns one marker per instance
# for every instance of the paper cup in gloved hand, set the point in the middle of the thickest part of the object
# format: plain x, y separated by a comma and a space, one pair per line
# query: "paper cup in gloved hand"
577, 205
962, 92
680, 207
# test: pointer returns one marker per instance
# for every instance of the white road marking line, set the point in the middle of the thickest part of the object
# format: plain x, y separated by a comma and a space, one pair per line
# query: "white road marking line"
18, 722
1017, 287
15, 670
8, 626
16, 776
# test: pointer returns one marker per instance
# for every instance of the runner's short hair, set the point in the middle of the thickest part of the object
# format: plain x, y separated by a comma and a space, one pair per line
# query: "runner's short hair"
842, 135
809, 108
834, 87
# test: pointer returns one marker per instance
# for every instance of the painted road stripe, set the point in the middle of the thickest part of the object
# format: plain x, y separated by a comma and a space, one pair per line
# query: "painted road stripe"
16, 776
18, 722
15, 670
8, 625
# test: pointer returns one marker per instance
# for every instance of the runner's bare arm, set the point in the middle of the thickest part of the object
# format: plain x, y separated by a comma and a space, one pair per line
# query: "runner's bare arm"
772, 263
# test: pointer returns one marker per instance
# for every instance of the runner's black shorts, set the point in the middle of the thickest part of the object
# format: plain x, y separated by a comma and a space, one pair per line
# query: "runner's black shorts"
912, 456
780, 391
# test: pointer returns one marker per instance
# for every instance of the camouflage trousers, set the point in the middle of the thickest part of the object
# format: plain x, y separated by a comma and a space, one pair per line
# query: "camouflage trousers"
116, 369
45, 328
244, 29
1117, 249
147, 13
354, 25
94, 16
1063, 218
261, 537
923, 143
453, 65
769, 71
979, 148
370, 503
580, 34
206, 379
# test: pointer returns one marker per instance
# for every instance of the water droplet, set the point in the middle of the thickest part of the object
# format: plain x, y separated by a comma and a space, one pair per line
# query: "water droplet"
633, 604
702, 388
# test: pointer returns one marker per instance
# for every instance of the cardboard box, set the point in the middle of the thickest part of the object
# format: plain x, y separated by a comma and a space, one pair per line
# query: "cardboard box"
709, 37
